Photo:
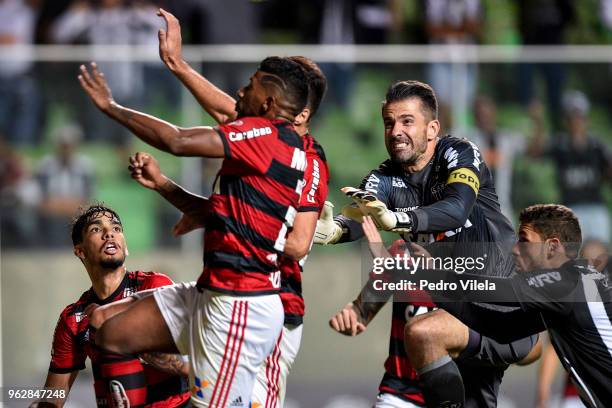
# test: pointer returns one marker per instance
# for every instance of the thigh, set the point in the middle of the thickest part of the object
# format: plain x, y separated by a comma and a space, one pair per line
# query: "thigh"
230, 337
138, 329
271, 384
442, 328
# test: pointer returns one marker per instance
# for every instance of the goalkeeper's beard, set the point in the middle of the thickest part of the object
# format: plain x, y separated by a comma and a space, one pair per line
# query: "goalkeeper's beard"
410, 157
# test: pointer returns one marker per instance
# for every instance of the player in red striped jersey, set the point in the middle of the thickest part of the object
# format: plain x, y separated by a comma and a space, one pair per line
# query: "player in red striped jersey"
230, 321
271, 381
100, 245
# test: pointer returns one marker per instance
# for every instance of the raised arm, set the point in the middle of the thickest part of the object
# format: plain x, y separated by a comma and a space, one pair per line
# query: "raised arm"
213, 100
196, 141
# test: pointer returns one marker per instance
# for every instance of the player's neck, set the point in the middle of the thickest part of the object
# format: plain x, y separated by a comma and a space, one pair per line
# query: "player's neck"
104, 281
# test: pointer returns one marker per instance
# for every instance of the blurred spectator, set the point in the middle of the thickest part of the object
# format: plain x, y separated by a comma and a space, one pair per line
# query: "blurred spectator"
110, 22
450, 22
20, 101
499, 148
582, 164
544, 22
66, 181
347, 22
18, 196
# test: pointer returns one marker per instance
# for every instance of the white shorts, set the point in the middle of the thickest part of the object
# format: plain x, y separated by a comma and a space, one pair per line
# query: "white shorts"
226, 337
386, 400
271, 384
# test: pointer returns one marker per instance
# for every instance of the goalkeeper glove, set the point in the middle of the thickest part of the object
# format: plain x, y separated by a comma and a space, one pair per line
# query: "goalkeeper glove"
328, 231
369, 204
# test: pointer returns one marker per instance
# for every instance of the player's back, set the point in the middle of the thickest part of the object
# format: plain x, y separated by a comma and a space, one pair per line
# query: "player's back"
254, 203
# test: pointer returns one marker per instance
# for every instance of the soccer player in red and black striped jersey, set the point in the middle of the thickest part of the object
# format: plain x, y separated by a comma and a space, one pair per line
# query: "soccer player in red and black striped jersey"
228, 324
99, 243
271, 380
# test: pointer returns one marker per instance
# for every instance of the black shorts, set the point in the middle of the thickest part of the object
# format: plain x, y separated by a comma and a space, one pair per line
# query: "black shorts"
482, 367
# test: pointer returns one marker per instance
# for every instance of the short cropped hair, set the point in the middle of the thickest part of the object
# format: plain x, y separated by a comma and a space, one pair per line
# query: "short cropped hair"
317, 82
290, 77
554, 221
86, 217
403, 90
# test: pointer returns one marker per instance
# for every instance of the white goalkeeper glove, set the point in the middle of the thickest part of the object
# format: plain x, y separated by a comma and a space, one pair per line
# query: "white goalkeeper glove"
328, 231
368, 204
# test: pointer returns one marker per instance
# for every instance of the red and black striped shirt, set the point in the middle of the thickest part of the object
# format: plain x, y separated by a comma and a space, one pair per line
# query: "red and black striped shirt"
254, 203
71, 347
314, 194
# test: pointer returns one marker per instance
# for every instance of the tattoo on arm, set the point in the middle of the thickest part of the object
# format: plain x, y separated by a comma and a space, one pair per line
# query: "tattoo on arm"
367, 310
168, 363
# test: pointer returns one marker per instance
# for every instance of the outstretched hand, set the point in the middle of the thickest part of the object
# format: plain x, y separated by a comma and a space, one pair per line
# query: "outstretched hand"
96, 87
170, 41
348, 321
145, 170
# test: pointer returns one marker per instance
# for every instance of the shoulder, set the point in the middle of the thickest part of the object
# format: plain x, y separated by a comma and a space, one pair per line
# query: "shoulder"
73, 314
150, 280
313, 147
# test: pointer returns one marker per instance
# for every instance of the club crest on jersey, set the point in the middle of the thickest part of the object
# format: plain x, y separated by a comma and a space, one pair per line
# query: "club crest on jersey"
249, 134
79, 316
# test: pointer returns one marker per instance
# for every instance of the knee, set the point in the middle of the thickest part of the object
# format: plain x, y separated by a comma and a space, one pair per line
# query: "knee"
417, 333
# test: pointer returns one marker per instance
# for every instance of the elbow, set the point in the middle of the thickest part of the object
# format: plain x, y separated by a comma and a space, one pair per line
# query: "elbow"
296, 251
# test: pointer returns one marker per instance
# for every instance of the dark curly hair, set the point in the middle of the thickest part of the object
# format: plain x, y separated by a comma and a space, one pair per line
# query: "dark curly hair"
86, 217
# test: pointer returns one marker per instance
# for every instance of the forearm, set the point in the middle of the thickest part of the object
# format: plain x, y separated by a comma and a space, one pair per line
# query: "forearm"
168, 363
351, 230
213, 100
447, 214
183, 200
370, 301
151, 130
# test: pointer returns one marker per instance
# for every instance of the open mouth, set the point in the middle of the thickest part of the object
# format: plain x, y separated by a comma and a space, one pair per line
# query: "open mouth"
110, 248
398, 145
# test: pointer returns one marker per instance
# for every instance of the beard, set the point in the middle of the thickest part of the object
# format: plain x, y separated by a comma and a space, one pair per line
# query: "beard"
408, 157
112, 263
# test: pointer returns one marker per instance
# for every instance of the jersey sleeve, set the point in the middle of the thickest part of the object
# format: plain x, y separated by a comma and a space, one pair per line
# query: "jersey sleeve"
155, 280
463, 168
545, 291
464, 164
316, 179
250, 141
66, 354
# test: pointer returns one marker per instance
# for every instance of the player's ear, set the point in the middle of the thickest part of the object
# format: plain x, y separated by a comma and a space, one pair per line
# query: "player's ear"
78, 252
554, 247
302, 117
433, 128
267, 105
